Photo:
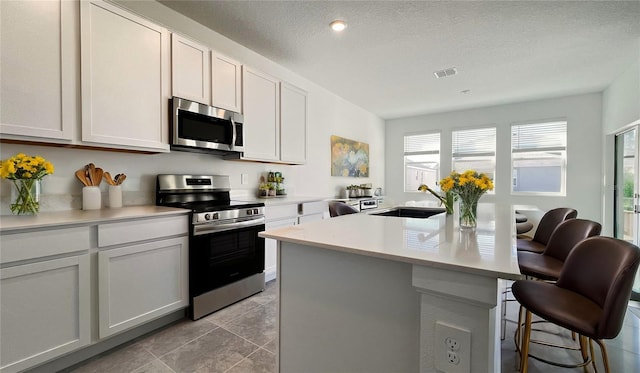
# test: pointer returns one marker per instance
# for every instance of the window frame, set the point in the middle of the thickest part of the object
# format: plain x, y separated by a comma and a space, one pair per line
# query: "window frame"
563, 168
493, 154
431, 152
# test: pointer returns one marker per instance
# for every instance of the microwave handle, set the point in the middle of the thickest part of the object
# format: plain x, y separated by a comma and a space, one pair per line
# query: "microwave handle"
234, 134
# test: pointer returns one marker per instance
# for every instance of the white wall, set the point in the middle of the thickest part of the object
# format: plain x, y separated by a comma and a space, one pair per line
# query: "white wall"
328, 115
584, 143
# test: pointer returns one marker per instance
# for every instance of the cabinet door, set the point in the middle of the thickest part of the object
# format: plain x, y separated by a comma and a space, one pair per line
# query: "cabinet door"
293, 124
271, 248
44, 311
226, 82
190, 70
125, 69
261, 108
38, 46
141, 282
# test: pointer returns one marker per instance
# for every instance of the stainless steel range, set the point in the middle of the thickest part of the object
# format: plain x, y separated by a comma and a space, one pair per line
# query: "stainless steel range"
226, 256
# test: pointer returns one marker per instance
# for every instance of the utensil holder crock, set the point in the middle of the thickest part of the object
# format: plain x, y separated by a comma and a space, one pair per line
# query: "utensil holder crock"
91, 199
115, 196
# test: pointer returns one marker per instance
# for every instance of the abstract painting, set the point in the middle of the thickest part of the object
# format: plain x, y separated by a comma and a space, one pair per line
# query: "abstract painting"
349, 158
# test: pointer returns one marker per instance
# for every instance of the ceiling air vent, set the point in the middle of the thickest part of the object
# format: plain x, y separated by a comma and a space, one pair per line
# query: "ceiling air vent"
446, 72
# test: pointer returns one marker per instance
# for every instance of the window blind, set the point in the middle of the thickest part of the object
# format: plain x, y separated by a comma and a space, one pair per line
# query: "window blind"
475, 142
428, 143
551, 136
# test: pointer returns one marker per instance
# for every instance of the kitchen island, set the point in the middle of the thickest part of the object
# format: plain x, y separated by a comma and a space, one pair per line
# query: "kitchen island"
366, 293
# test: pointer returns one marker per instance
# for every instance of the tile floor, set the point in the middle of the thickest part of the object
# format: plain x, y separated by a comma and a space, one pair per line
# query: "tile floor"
242, 338
238, 339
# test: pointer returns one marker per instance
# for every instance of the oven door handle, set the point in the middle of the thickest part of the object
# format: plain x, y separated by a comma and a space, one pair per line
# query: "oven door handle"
212, 228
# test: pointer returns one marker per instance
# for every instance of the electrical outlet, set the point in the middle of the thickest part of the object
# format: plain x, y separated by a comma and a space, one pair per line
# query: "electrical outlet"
452, 344
453, 358
243, 179
452, 348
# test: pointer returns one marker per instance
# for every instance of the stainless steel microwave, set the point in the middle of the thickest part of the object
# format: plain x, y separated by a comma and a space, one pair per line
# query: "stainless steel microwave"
204, 128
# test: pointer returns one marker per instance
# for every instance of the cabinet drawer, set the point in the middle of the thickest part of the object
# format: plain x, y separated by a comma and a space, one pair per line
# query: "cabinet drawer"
280, 212
140, 230
317, 207
42, 243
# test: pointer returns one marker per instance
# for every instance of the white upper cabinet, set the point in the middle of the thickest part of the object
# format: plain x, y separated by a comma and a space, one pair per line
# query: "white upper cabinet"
293, 124
125, 78
261, 108
38, 51
227, 82
190, 71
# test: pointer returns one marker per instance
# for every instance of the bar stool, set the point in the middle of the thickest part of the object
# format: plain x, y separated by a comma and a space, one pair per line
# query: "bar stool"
523, 225
337, 208
590, 297
547, 225
548, 265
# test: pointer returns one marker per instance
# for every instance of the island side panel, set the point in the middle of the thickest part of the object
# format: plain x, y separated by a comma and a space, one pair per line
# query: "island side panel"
345, 312
464, 301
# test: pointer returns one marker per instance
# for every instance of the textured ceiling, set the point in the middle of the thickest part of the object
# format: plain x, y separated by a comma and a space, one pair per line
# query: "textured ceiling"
384, 61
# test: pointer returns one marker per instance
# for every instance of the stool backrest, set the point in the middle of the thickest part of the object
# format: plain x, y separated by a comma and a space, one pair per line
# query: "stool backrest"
603, 269
340, 208
550, 220
568, 234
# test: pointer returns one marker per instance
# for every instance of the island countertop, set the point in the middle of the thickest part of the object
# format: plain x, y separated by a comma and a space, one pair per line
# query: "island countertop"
437, 241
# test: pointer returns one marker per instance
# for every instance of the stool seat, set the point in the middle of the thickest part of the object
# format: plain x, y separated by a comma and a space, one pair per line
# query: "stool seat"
570, 310
524, 227
521, 218
524, 244
540, 266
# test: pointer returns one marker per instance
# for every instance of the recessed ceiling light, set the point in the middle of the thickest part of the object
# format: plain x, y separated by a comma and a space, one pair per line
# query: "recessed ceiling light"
338, 25
465, 92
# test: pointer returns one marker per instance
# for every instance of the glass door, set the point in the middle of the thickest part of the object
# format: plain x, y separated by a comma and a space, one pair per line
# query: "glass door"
626, 203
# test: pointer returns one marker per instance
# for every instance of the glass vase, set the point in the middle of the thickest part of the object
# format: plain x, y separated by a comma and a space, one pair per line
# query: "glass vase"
25, 197
468, 213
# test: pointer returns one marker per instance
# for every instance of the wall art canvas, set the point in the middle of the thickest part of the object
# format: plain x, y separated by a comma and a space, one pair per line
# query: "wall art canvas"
349, 158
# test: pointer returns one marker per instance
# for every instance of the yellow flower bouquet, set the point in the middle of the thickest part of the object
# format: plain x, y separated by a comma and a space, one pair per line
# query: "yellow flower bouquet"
25, 172
469, 186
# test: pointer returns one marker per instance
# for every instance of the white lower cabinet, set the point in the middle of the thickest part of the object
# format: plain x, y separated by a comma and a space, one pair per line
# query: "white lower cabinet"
138, 283
44, 312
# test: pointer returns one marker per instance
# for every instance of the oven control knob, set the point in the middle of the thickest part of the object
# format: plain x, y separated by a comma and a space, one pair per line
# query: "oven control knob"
207, 216
255, 212
249, 212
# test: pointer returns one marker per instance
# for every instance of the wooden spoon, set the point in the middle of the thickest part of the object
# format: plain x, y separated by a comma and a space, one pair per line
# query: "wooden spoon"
120, 178
98, 172
80, 174
92, 173
110, 181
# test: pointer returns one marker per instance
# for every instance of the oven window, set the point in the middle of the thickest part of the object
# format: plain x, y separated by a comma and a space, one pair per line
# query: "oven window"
199, 127
219, 259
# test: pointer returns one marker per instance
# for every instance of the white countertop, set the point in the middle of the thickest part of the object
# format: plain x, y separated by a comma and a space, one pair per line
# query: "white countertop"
72, 217
436, 241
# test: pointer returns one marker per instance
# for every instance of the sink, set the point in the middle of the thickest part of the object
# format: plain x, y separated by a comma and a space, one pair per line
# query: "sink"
410, 212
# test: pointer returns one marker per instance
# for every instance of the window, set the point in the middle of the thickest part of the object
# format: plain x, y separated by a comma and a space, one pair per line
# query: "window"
474, 150
539, 157
421, 160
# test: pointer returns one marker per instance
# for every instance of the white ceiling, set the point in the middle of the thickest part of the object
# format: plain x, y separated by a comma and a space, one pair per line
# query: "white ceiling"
384, 61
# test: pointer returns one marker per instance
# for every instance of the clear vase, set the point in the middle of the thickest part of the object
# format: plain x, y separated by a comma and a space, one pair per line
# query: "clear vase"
25, 197
468, 213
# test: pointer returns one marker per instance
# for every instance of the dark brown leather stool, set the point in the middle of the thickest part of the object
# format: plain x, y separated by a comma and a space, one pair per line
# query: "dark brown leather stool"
590, 297
547, 266
547, 225
337, 208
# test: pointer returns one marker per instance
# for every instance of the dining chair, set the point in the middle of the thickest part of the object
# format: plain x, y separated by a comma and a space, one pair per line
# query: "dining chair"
590, 297
547, 225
